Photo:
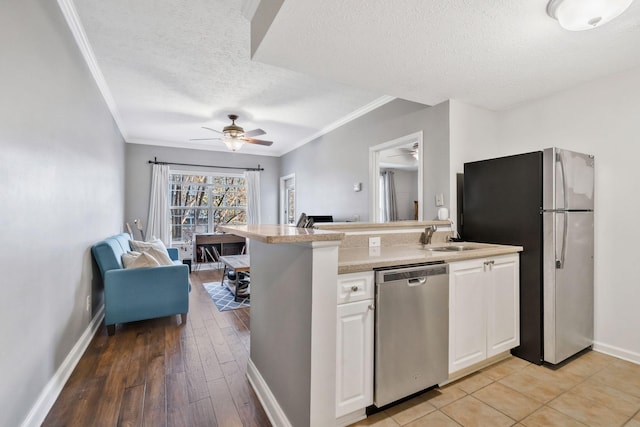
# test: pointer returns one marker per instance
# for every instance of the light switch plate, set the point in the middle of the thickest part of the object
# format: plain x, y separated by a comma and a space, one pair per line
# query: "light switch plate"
374, 242
439, 199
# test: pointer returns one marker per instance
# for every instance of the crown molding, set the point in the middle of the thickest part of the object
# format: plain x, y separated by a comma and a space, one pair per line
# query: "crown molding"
197, 145
377, 103
73, 21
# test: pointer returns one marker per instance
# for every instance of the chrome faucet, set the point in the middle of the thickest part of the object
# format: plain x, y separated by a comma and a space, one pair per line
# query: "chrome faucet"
425, 238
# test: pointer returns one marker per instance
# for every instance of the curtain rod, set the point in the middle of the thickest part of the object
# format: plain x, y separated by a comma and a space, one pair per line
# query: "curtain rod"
156, 162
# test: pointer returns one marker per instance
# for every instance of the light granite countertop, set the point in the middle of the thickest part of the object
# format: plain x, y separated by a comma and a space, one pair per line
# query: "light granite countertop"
357, 259
273, 233
352, 260
378, 226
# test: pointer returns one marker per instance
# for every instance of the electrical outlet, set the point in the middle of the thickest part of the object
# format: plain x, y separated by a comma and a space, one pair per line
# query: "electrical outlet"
374, 242
88, 302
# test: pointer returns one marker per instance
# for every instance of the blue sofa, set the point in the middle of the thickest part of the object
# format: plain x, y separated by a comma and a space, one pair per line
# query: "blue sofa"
139, 293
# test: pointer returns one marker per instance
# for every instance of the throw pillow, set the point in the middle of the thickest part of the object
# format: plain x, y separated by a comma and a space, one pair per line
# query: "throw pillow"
143, 260
140, 246
128, 258
160, 254
156, 248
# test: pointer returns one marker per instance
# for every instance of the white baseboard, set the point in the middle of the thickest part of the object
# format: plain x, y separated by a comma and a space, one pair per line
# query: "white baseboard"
50, 393
617, 352
351, 418
271, 406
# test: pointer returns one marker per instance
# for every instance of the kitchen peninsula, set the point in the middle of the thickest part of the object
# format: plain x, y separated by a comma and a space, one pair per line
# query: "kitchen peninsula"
294, 274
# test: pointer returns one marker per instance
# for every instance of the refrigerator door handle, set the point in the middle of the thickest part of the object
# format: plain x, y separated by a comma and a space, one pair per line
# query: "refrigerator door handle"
563, 248
560, 161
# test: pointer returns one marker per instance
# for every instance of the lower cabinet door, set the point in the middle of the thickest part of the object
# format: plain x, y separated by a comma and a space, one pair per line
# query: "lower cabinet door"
503, 299
354, 361
467, 314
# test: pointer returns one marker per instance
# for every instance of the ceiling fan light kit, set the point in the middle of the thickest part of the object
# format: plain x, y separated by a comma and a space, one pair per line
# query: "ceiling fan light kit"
233, 143
579, 15
234, 137
232, 134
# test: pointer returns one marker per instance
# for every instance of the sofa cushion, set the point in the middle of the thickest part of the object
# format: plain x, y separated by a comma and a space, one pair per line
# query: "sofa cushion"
108, 252
123, 240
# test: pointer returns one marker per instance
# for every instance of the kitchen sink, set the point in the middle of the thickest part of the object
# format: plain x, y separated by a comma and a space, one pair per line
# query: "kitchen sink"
461, 248
435, 248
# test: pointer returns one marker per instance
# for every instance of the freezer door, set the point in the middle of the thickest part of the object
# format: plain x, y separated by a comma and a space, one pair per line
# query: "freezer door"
568, 284
567, 180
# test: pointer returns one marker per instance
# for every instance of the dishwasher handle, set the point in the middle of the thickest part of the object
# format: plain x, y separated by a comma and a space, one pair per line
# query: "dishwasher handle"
417, 281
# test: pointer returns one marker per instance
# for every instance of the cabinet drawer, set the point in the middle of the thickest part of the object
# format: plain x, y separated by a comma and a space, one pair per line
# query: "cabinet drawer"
355, 287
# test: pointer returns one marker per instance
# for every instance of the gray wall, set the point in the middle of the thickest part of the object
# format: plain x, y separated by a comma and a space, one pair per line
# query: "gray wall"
62, 178
282, 355
138, 175
326, 168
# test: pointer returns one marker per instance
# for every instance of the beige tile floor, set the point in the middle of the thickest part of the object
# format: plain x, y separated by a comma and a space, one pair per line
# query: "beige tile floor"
592, 389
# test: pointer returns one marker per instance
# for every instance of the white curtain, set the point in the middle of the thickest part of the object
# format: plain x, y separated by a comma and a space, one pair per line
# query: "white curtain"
158, 222
389, 197
252, 179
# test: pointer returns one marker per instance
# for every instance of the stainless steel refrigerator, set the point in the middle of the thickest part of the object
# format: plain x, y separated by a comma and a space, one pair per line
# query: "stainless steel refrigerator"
542, 201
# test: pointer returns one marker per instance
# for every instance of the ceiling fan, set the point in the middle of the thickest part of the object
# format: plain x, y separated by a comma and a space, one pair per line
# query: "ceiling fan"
412, 152
234, 136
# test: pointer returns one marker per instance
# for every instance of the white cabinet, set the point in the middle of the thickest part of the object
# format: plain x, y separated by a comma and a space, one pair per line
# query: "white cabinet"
354, 367
354, 344
467, 314
484, 310
503, 303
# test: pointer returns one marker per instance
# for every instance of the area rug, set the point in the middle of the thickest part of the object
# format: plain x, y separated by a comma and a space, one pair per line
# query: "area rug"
223, 298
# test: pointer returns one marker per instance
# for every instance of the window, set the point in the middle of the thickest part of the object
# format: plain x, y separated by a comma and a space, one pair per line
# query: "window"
199, 202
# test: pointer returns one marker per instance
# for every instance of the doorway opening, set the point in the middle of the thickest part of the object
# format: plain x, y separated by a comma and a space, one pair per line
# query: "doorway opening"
403, 155
288, 199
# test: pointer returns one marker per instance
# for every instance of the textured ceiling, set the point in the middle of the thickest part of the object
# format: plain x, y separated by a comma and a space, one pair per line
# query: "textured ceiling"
173, 66
490, 53
170, 67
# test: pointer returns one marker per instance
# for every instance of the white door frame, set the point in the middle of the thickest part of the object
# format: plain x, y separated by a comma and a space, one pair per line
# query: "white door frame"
283, 196
374, 172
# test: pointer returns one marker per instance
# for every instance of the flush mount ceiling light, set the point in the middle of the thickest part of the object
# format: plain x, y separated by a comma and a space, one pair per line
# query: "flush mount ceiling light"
578, 15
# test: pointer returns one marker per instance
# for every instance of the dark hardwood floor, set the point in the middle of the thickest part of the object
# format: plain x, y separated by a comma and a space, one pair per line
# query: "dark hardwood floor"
160, 373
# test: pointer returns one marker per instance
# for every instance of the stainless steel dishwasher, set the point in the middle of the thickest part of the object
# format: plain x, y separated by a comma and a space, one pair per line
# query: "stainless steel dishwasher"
411, 330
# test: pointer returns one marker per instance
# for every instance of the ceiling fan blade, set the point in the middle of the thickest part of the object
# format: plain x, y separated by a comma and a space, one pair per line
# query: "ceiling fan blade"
211, 129
204, 139
258, 141
255, 132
